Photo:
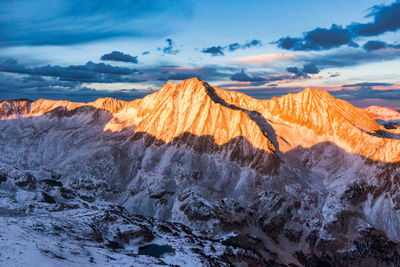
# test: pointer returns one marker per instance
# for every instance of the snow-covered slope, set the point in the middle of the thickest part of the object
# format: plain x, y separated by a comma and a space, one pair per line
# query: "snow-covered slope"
301, 179
382, 113
389, 118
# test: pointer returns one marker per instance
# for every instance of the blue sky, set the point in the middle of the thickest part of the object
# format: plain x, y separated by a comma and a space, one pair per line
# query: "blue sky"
82, 50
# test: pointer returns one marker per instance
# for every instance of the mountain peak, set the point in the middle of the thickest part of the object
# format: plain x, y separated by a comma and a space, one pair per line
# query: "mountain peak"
315, 93
110, 104
190, 86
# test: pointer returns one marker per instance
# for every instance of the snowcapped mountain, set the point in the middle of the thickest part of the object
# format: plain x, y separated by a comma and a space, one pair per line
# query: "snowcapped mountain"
382, 113
304, 179
385, 116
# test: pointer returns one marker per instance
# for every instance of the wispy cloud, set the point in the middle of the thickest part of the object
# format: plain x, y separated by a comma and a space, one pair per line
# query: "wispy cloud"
219, 50
348, 57
65, 22
170, 48
264, 59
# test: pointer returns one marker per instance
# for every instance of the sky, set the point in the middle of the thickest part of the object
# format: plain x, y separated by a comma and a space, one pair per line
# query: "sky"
126, 49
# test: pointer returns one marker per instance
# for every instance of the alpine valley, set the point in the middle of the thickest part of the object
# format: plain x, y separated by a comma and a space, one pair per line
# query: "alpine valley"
215, 176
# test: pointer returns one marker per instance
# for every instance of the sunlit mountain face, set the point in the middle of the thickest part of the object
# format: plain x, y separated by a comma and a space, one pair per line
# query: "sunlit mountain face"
198, 175
199, 133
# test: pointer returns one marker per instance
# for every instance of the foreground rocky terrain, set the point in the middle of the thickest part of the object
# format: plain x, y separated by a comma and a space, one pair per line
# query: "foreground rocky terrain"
218, 177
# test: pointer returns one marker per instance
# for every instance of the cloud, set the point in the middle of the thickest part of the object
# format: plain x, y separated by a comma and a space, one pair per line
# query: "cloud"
119, 56
309, 68
377, 45
64, 22
385, 18
90, 72
34, 87
349, 57
264, 59
219, 50
207, 73
145, 53
182, 76
243, 77
367, 92
214, 50
170, 48
73, 82
235, 46
374, 45
242, 82
364, 84
318, 39
252, 43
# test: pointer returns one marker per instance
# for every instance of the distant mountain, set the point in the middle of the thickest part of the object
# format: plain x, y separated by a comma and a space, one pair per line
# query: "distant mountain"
382, 113
304, 179
387, 117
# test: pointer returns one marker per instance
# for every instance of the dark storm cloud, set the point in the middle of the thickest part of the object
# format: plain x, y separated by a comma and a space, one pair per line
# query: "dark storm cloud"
309, 68
219, 50
63, 22
243, 77
170, 48
119, 56
90, 72
385, 18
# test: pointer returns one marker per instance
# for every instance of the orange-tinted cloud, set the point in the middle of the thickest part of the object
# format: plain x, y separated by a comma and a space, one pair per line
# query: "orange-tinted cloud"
264, 59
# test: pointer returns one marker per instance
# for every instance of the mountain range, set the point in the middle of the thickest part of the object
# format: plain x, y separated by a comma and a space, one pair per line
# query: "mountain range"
224, 179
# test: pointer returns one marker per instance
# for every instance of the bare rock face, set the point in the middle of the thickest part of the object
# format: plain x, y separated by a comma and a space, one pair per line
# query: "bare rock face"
304, 179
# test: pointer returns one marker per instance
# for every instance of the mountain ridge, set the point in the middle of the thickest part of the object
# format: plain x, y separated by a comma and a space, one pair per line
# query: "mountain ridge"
195, 107
299, 179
